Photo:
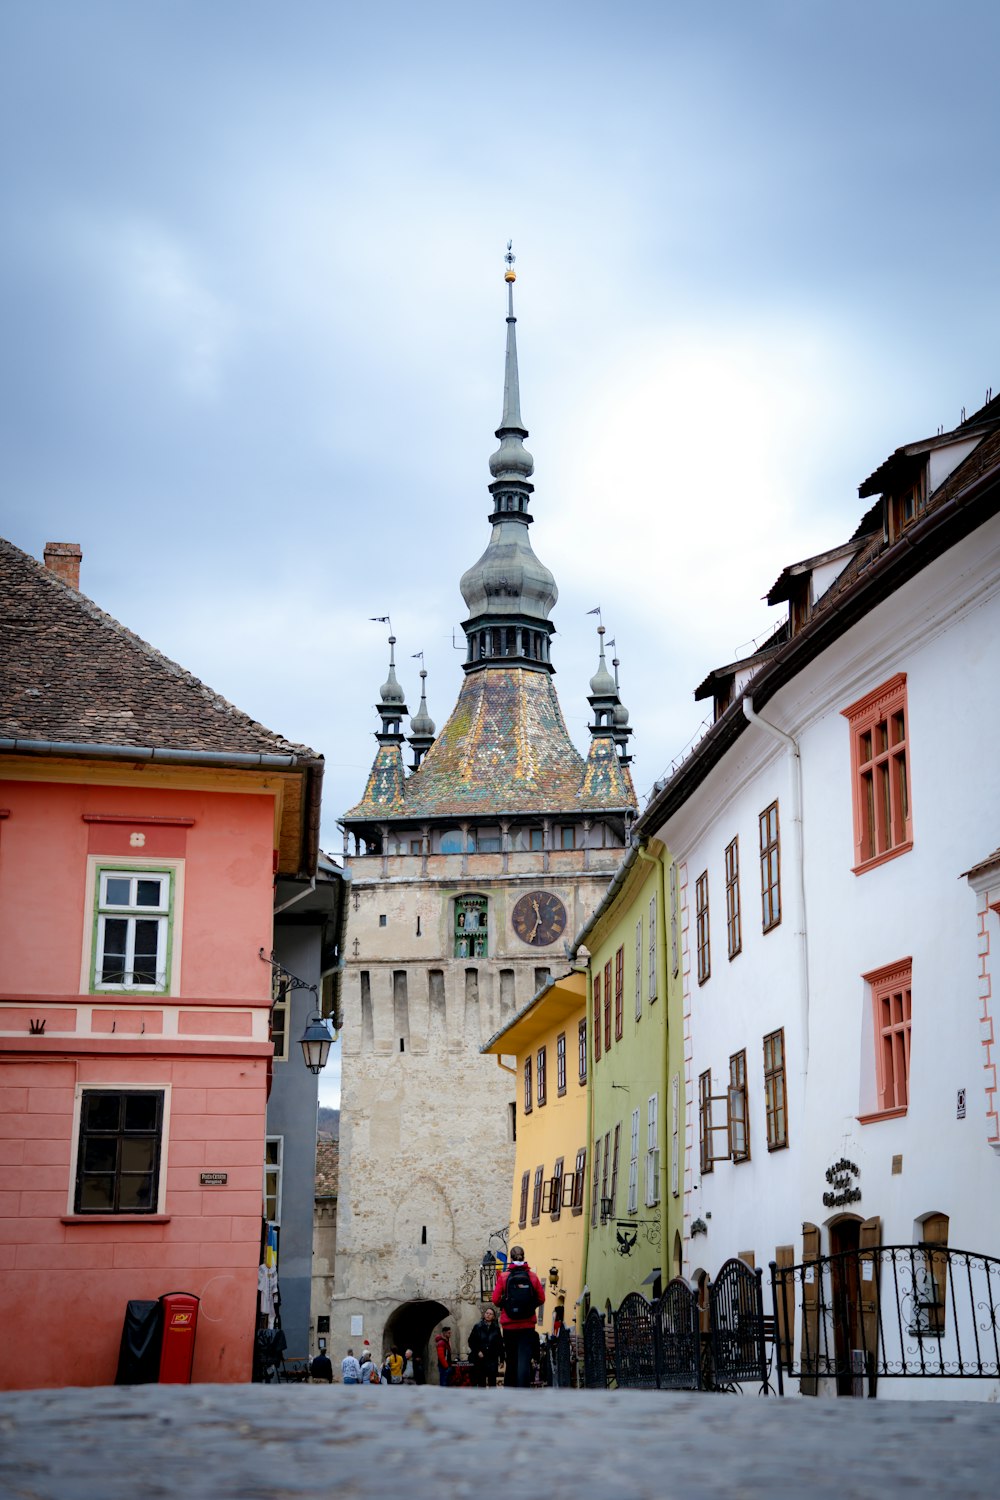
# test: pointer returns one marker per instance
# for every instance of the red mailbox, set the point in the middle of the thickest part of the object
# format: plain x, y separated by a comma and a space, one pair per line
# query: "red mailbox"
180, 1323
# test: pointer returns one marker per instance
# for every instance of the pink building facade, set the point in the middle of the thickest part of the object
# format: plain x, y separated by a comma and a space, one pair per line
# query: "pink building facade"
136, 895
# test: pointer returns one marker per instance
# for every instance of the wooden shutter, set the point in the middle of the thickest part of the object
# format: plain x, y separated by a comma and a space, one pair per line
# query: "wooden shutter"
784, 1256
749, 1257
557, 1182
869, 1241
810, 1308
934, 1231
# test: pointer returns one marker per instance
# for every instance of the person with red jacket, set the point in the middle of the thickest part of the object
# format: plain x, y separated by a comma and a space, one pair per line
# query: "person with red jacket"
518, 1294
442, 1348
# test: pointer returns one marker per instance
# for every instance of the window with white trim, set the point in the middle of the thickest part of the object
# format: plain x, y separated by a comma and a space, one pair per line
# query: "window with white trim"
675, 1135
118, 1152
651, 983
638, 969
131, 950
674, 945
633, 1166
274, 1150
652, 1150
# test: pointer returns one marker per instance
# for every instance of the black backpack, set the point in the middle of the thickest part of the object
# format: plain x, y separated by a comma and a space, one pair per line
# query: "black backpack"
519, 1296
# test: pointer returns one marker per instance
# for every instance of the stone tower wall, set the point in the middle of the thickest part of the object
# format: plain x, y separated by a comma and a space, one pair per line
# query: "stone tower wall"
427, 1151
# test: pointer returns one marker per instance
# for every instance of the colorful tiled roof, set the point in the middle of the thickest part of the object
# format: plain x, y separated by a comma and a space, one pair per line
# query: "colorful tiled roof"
71, 673
506, 750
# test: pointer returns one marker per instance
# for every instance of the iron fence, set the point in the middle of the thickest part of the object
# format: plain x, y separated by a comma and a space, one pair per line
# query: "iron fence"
887, 1312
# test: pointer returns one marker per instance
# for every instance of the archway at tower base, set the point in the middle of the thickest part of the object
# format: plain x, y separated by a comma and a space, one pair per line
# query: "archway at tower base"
410, 1326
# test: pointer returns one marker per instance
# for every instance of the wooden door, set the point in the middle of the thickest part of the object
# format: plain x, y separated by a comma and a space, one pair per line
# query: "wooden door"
811, 1273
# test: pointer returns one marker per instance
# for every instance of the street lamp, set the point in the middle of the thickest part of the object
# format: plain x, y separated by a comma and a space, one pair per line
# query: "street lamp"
316, 1042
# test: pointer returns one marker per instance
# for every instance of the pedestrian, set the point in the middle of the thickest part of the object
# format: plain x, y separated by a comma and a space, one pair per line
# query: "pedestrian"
486, 1349
321, 1369
517, 1293
350, 1370
395, 1366
409, 1375
445, 1360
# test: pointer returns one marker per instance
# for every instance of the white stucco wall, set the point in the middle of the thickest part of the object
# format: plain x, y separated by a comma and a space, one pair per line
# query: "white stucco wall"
941, 630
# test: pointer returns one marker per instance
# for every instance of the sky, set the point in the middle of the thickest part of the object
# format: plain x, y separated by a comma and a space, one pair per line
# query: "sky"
251, 287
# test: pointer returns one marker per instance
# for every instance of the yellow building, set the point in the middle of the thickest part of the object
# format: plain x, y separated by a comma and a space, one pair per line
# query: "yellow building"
548, 1038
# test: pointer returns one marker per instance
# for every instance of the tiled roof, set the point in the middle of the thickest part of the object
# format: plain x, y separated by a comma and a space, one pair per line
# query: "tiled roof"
71, 673
504, 750
327, 1167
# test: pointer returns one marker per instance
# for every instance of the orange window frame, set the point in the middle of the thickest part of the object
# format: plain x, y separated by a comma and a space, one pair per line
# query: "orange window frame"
619, 994
892, 1005
880, 774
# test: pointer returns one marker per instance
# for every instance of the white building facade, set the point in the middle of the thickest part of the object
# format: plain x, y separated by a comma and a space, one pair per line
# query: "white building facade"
838, 921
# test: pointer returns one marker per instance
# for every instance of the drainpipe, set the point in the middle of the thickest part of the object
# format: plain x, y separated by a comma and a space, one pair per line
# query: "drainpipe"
802, 933
657, 859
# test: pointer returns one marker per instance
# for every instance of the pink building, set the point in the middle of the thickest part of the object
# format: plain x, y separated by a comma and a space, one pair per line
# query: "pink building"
142, 822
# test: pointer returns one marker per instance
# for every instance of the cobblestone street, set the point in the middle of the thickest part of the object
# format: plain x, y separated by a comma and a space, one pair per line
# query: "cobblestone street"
312, 1441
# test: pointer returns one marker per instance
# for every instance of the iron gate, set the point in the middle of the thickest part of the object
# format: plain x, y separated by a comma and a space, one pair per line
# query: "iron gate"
634, 1349
677, 1337
595, 1362
888, 1312
736, 1327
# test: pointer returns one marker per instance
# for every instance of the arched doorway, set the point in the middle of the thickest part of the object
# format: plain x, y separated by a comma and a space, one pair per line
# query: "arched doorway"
409, 1327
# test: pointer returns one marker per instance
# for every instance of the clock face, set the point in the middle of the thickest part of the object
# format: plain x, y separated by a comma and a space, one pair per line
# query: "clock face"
539, 918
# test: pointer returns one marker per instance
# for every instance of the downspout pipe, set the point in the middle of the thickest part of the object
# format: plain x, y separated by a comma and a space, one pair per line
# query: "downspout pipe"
802, 934
661, 947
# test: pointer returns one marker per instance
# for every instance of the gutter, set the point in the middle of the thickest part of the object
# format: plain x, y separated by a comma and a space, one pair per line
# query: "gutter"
311, 765
801, 933
617, 882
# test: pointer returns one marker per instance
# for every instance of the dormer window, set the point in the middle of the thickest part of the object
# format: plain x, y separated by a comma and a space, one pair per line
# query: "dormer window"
906, 505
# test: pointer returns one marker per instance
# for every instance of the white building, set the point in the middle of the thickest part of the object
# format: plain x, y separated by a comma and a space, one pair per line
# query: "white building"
839, 915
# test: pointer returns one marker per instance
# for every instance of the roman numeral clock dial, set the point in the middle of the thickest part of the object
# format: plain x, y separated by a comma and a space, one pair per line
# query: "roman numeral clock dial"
539, 918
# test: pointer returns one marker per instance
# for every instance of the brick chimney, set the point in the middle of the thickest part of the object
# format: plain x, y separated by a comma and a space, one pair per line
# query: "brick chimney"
63, 559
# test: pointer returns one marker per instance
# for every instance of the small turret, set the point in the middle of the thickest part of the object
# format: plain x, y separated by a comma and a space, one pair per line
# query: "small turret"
421, 725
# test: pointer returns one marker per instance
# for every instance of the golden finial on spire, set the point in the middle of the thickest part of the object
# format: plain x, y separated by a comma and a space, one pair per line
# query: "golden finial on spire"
510, 274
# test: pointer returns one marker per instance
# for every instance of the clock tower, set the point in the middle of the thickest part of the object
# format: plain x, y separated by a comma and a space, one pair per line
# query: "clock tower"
471, 872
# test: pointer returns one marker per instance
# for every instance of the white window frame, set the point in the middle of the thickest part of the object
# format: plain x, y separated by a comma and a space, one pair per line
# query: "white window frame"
652, 1150
99, 865
651, 986
633, 1166
131, 913
638, 969
275, 1170
674, 955
675, 1134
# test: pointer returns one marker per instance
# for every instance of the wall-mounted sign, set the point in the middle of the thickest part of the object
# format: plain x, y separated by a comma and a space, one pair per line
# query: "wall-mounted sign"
960, 1105
842, 1177
214, 1179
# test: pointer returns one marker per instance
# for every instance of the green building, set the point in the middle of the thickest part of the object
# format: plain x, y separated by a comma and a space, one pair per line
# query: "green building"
636, 1097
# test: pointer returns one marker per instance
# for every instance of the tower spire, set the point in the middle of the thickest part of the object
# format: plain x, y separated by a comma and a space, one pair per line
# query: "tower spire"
421, 724
509, 593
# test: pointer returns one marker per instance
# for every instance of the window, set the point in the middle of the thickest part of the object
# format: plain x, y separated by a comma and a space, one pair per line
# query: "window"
880, 782
536, 1196
581, 1052
595, 1188
567, 836
774, 1090
274, 1151
701, 927
638, 970
613, 1190
705, 1122
607, 1006
652, 948
279, 1018
734, 930
561, 1063
133, 930
118, 1157
597, 1018
528, 1101
930, 1276
890, 991
633, 1166
383, 920
604, 1173
557, 1188
487, 841
535, 838
579, 1178
674, 945
675, 1135
522, 1213
540, 1078
652, 1151
770, 868
619, 994
739, 1124
471, 927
